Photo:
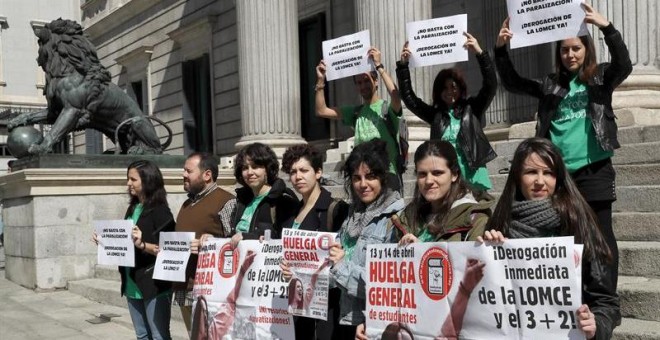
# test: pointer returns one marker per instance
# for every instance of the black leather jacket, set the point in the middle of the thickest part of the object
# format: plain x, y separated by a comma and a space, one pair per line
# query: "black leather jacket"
553, 88
471, 137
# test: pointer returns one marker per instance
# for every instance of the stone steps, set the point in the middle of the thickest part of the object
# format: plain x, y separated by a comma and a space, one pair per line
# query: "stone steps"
637, 258
640, 297
634, 329
636, 226
626, 174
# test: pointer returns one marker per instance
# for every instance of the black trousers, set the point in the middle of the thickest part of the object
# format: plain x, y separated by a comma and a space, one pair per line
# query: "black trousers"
596, 183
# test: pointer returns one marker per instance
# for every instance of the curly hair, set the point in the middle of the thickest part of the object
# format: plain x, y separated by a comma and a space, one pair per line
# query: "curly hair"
260, 155
296, 152
374, 155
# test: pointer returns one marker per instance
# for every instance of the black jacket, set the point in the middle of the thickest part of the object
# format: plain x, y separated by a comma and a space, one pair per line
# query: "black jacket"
599, 293
151, 222
280, 202
471, 110
317, 218
553, 88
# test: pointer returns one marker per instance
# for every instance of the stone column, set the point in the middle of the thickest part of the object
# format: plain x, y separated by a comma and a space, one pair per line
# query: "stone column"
638, 23
269, 73
386, 21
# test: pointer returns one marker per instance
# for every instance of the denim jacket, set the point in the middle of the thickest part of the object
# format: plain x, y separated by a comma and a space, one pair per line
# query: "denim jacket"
350, 274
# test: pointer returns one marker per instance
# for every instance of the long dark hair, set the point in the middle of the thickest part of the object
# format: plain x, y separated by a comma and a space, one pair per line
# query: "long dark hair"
589, 66
576, 217
153, 185
419, 209
374, 155
454, 74
260, 155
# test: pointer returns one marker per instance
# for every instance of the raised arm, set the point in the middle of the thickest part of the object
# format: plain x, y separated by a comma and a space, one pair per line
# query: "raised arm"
453, 324
488, 77
413, 103
322, 109
511, 80
620, 65
395, 99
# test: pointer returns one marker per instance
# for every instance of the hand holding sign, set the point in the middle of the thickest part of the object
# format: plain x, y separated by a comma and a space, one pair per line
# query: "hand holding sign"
471, 44
587, 321
505, 34
593, 17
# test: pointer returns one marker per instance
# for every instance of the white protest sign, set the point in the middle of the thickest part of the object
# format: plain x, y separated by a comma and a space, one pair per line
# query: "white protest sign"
535, 22
116, 246
306, 253
523, 289
437, 41
240, 293
347, 56
173, 254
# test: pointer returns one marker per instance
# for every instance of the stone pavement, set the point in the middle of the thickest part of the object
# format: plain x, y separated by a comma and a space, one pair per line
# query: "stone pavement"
29, 315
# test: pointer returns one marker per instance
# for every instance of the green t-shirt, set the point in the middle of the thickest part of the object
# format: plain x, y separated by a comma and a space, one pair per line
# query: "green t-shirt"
244, 224
131, 290
425, 236
477, 178
573, 133
370, 124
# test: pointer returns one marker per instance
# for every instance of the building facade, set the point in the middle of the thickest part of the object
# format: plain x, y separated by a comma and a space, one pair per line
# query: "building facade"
225, 73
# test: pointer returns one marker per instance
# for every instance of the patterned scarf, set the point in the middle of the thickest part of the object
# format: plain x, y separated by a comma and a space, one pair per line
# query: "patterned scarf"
534, 219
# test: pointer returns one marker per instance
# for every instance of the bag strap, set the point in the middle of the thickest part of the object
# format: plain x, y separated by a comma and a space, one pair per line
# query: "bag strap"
331, 213
388, 122
273, 214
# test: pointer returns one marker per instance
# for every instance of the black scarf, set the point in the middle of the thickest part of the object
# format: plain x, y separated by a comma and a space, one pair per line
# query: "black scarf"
531, 219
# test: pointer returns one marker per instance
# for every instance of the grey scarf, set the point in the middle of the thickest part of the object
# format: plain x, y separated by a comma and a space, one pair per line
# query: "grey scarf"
533, 219
360, 215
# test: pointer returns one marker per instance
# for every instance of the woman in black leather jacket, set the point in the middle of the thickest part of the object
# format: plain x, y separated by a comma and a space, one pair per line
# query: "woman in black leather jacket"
540, 199
575, 111
453, 115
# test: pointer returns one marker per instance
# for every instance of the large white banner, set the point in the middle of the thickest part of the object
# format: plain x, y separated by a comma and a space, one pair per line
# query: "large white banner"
116, 246
523, 289
306, 253
437, 41
240, 293
347, 56
173, 254
535, 22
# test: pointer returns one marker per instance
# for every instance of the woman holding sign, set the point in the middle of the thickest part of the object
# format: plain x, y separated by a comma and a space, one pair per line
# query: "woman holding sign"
575, 111
443, 208
317, 211
365, 172
148, 299
541, 200
453, 115
263, 202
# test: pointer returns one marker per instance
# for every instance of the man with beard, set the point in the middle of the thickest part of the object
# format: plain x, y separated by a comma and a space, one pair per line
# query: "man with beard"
369, 120
201, 214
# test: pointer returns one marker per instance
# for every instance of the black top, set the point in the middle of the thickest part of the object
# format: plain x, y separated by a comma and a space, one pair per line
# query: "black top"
277, 207
151, 222
317, 218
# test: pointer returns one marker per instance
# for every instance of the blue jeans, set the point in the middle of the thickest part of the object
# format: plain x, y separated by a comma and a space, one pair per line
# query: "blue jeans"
151, 318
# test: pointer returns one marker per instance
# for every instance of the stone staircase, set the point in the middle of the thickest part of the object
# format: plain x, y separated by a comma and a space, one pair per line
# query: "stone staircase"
636, 220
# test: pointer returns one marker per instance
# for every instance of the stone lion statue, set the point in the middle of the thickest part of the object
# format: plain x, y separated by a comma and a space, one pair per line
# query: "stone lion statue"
80, 96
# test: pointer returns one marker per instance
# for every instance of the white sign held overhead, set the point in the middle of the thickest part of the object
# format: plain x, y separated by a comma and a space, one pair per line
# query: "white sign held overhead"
535, 22
437, 41
347, 56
